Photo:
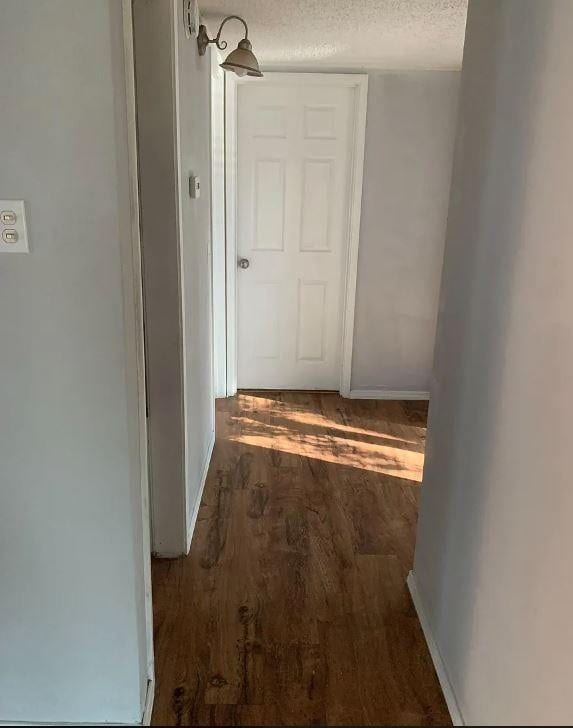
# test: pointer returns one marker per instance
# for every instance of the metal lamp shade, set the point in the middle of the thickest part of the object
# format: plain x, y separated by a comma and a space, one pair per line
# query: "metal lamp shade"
242, 60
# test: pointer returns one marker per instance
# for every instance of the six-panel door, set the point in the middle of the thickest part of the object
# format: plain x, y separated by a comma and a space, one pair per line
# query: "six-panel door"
293, 169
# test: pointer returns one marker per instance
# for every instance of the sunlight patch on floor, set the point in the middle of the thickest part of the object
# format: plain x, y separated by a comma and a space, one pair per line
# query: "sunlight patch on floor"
316, 420
255, 403
381, 458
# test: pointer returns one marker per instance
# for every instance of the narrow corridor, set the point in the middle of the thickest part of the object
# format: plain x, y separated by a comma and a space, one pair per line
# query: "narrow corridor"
292, 607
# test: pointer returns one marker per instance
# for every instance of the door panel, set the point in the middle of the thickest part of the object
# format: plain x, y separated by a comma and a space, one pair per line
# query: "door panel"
294, 155
318, 176
262, 336
311, 319
269, 204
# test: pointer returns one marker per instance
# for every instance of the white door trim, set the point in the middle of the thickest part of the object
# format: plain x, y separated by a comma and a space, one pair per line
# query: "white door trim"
218, 235
359, 137
132, 283
351, 80
231, 228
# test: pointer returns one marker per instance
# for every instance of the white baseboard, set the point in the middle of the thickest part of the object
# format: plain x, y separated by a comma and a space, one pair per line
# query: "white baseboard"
388, 394
148, 709
439, 664
193, 519
205, 470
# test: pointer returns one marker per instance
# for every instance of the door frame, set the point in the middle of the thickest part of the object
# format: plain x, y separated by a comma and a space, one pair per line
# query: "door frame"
218, 235
359, 82
132, 285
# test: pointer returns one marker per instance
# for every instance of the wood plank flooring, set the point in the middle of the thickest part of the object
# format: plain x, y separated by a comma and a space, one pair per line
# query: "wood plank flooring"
292, 607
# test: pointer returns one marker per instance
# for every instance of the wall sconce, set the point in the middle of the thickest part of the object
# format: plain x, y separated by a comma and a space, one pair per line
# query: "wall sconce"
242, 60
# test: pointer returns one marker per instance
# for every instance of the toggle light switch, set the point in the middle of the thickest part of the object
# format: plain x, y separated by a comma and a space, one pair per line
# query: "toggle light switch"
10, 236
8, 217
13, 232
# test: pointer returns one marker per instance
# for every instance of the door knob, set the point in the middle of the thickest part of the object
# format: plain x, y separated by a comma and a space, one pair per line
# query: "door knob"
244, 263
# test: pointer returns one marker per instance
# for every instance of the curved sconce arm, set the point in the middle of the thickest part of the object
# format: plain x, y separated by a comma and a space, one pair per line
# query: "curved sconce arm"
203, 39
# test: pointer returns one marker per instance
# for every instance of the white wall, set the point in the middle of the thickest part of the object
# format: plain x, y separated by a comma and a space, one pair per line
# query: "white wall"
194, 100
154, 52
173, 90
72, 627
493, 557
410, 132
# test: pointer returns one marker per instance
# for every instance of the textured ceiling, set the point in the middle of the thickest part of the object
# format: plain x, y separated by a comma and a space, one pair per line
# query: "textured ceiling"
385, 34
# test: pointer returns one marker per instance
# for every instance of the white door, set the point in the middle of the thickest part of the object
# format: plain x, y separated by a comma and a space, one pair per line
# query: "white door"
294, 154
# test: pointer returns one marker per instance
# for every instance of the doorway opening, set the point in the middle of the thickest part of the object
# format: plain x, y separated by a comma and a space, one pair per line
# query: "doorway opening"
293, 160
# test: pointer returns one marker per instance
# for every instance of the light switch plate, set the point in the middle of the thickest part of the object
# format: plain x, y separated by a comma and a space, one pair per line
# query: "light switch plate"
13, 225
194, 187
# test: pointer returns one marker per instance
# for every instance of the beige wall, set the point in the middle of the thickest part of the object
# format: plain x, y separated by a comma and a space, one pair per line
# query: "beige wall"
173, 97
410, 132
195, 159
493, 556
154, 51
72, 631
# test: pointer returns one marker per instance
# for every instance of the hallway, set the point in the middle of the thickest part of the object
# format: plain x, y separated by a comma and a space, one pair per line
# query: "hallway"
292, 607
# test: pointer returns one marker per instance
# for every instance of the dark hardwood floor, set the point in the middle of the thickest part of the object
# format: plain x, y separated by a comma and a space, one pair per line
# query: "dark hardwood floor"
292, 607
